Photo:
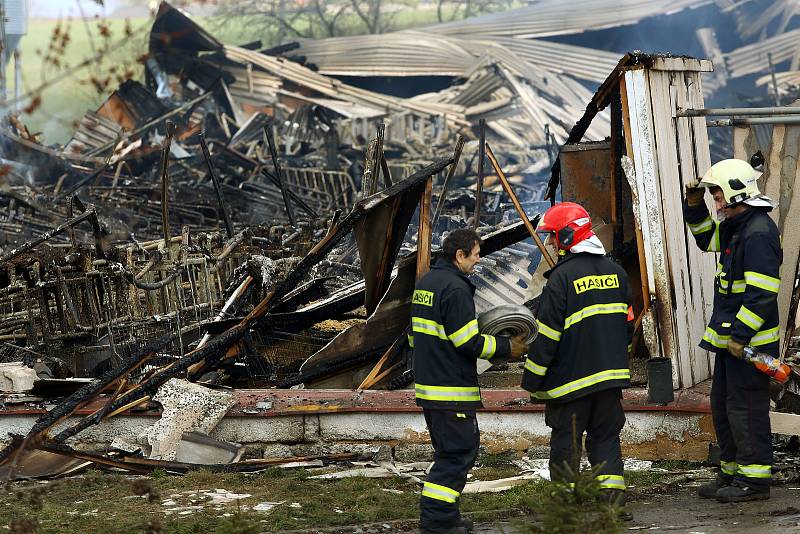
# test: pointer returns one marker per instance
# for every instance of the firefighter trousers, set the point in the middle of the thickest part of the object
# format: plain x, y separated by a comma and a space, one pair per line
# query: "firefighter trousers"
598, 415
455, 439
740, 410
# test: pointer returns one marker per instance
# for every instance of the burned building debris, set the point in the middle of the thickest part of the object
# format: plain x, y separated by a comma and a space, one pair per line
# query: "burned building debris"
243, 219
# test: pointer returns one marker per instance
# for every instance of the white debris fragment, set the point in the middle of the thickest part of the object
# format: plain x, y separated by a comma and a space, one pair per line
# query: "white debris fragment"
187, 407
268, 269
16, 377
541, 467
266, 506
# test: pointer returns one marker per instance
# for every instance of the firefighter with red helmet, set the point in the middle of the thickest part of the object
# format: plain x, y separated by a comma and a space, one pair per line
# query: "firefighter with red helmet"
578, 363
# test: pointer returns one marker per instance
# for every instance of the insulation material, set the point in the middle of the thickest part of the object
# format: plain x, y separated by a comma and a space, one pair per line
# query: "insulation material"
187, 407
16, 377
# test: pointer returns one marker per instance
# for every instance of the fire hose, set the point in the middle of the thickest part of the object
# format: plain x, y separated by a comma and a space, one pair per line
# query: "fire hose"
510, 320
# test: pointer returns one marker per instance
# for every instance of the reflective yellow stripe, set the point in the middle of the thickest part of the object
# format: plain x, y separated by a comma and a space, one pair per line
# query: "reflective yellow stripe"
738, 286
765, 337
719, 341
534, 367
428, 327
749, 318
410, 341
546, 331
767, 283
611, 481
596, 309
703, 226
465, 333
489, 347
448, 393
755, 471
585, 382
713, 243
729, 468
440, 493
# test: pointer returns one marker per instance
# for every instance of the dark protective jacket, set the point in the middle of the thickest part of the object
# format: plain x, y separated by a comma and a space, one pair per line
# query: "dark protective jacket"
747, 280
585, 324
446, 340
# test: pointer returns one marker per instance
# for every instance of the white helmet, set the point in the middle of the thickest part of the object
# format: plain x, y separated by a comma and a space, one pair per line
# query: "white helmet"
738, 182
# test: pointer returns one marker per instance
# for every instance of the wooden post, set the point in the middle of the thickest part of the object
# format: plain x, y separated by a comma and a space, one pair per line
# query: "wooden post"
479, 186
375, 164
450, 173
425, 230
507, 187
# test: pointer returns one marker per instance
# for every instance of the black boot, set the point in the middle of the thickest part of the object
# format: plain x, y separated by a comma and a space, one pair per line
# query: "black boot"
466, 523
616, 498
740, 491
709, 489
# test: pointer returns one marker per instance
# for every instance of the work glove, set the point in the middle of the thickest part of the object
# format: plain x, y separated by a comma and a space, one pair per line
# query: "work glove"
736, 348
694, 193
518, 346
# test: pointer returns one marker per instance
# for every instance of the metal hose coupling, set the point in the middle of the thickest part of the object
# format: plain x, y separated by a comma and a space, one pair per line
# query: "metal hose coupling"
509, 320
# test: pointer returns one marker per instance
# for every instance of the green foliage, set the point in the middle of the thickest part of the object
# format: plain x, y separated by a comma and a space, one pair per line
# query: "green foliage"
239, 523
574, 507
494, 460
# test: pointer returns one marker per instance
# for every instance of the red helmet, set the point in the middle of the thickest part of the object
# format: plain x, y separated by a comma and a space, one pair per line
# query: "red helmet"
570, 222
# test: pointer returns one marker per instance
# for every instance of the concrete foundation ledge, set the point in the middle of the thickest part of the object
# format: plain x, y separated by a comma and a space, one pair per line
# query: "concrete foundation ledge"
282, 423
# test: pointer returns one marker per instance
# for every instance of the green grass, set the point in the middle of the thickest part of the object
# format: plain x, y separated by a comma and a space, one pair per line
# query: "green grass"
115, 503
103, 502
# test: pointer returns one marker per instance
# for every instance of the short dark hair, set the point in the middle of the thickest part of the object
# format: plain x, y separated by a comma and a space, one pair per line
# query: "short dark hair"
714, 189
462, 239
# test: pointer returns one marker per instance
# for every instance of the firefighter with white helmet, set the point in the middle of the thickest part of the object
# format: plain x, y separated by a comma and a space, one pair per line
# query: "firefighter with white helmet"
745, 313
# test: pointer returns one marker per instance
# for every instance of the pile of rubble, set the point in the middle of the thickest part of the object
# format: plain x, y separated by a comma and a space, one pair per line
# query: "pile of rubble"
239, 220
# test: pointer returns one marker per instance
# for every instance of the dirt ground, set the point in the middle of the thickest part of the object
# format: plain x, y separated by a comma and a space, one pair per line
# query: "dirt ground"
678, 509
683, 511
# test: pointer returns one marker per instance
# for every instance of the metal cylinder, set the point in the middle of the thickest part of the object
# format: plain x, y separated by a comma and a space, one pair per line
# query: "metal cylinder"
509, 320
659, 380
737, 121
738, 112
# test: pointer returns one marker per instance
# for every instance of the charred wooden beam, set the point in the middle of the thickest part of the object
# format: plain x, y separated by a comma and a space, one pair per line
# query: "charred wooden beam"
88, 215
375, 163
164, 174
146, 465
507, 186
479, 185
212, 171
446, 184
281, 185
292, 195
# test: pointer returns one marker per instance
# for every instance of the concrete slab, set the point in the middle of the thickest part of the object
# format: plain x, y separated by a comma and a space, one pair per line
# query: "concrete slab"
272, 422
